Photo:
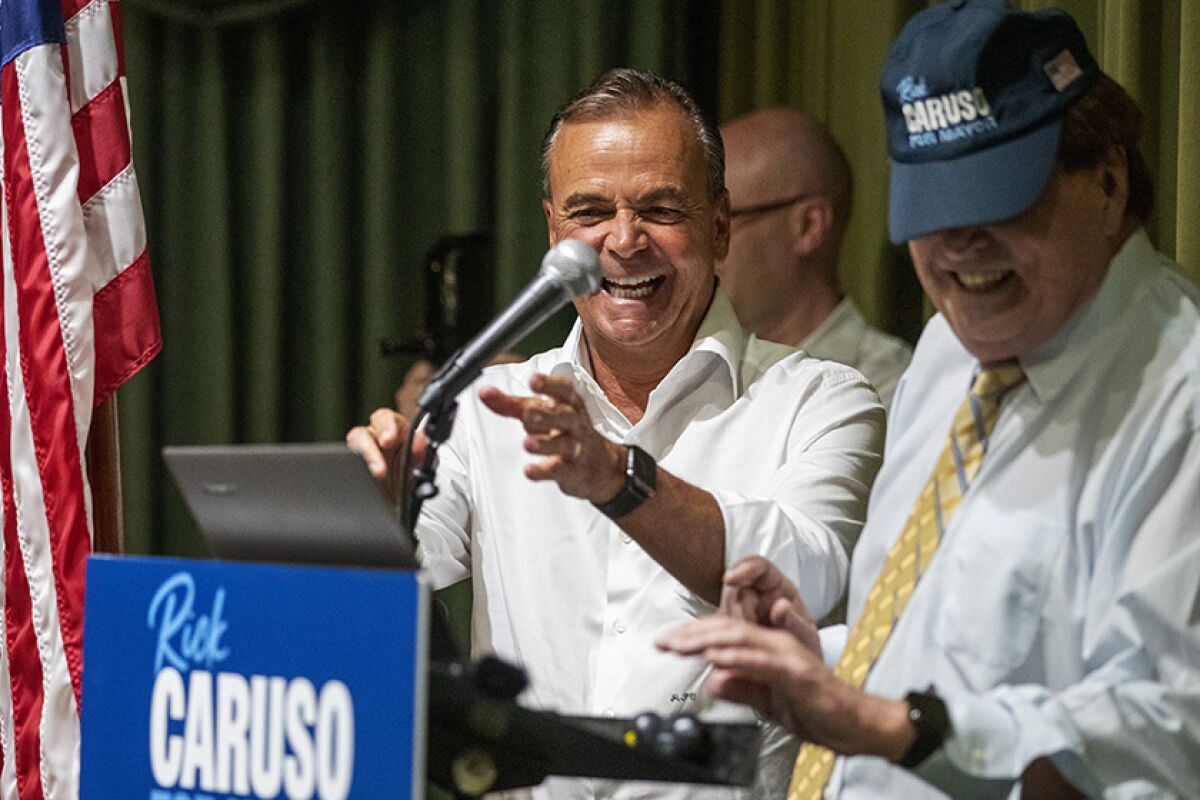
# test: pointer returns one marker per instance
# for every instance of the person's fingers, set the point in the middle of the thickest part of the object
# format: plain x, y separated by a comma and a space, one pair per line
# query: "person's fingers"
753, 660
557, 387
379, 439
786, 616
558, 428
757, 582
567, 459
548, 469
766, 582
731, 600
734, 644
781, 612
539, 414
680, 639
766, 655
361, 441
555, 443
544, 416
791, 604
388, 427
695, 636
748, 571
506, 405
738, 602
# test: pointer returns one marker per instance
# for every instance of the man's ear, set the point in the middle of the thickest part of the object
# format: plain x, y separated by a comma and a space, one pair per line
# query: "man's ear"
1113, 175
721, 227
810, 222
551, 237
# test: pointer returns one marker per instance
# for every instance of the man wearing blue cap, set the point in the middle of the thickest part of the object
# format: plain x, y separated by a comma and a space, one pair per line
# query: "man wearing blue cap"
1024, 593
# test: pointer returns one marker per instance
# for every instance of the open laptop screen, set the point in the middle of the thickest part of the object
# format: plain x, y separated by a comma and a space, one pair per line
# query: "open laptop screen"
298, 503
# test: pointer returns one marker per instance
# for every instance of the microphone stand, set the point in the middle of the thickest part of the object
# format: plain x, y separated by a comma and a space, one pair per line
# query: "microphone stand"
490, 680
493, 677
439, 421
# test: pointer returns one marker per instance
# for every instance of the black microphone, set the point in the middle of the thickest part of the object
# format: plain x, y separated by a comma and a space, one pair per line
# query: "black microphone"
570, 269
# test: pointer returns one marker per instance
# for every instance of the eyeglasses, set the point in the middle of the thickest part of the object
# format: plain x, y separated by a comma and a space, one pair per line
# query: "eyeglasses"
762, 208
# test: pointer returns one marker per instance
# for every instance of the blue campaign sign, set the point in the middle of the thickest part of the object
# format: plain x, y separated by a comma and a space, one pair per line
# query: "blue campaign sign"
211, 680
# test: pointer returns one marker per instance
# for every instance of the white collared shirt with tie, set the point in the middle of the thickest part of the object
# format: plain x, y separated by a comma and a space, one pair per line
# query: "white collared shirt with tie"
1060, 615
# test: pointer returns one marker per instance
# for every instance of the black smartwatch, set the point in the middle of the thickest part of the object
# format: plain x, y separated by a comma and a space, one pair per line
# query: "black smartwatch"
928, 716
641, 478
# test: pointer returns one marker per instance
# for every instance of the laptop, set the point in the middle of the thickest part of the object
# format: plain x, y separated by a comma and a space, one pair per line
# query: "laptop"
297, 503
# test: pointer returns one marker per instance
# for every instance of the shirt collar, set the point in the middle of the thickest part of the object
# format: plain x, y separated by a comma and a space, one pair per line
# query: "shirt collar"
1052, 365
830, 337
719, 333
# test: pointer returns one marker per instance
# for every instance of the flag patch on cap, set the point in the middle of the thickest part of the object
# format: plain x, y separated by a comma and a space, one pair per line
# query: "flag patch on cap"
1062, 70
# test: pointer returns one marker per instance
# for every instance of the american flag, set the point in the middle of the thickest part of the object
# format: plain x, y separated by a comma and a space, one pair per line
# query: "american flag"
79, 318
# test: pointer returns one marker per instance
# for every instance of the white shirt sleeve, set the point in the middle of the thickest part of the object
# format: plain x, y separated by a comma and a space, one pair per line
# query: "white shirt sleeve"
807, 520
833, 642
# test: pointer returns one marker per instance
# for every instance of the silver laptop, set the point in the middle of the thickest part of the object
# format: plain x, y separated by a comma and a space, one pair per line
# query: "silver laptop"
299, 503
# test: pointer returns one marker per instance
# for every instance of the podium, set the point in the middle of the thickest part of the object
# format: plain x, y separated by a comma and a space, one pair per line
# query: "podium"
207, 680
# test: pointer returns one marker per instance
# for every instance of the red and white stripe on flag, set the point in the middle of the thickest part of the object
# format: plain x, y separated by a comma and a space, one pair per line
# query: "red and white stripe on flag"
79, 317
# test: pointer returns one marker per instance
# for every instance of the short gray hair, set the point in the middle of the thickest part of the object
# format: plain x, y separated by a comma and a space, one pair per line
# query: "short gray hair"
626, 90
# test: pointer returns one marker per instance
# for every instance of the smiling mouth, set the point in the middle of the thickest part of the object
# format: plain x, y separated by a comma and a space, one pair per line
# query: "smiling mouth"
632, 288
982, 281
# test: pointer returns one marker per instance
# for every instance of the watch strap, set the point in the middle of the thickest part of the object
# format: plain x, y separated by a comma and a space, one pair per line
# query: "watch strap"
640, 481
928, 716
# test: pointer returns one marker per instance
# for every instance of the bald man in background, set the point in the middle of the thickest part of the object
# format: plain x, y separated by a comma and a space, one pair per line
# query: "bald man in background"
790, 194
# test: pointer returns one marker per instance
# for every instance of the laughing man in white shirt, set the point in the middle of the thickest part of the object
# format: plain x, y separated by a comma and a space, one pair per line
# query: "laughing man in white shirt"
1051, 646
597, 492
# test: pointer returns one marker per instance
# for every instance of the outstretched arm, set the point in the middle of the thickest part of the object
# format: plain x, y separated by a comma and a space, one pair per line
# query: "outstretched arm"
585, 464
805, 517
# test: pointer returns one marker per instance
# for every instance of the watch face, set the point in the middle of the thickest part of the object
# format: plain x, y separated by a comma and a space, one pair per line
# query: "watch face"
641, 477
641, 472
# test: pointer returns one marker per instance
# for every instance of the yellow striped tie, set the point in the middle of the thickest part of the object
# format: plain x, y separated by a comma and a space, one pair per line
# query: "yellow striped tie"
912, 552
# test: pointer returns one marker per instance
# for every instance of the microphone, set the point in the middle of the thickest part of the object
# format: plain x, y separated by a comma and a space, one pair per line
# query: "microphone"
570, 269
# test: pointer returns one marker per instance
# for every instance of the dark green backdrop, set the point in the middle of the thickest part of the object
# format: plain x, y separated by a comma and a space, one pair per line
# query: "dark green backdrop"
297, 159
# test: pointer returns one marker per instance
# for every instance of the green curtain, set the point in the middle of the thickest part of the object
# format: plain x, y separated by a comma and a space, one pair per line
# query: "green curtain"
297, 159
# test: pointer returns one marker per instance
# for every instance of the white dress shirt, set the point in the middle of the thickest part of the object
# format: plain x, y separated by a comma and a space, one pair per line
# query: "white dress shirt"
1060, 615
845, 337
787, 444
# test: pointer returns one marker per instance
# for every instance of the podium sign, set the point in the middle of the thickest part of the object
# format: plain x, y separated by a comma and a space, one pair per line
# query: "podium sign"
211, 680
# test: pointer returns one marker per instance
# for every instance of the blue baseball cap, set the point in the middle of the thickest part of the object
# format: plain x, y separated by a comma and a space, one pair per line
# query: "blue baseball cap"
973, 98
